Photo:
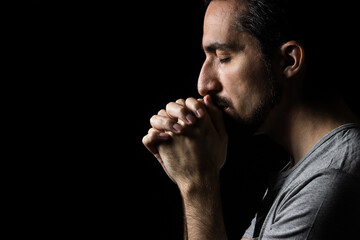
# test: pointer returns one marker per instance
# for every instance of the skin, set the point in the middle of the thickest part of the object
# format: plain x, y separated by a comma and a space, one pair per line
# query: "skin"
189, 138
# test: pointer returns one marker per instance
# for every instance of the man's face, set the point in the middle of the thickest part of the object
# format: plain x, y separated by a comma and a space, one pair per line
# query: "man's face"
234, 72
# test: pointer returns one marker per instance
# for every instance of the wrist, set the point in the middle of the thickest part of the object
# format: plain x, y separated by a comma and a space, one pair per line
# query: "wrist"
202, 186
202, 209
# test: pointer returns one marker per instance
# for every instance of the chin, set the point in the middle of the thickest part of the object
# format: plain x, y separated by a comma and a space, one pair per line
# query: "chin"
235, 124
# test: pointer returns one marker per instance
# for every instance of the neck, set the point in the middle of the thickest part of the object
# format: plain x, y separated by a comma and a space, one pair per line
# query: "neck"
304, 125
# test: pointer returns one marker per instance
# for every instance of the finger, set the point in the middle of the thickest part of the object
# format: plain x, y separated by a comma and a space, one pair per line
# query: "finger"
158, 136
164, 123
151, 142
215, 114
179, 111
153, 138
180, 101
163, 113
197, 107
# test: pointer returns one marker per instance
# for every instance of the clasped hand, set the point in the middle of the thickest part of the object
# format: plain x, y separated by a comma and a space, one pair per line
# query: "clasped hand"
189, 140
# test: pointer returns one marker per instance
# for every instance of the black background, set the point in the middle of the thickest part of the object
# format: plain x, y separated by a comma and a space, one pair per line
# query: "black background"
106, 69
135, 61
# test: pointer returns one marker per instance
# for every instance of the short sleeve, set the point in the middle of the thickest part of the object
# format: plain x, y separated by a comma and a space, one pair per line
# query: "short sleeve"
324, 206
249, 233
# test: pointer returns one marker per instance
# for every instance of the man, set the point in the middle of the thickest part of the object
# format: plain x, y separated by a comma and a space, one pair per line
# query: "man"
262, 70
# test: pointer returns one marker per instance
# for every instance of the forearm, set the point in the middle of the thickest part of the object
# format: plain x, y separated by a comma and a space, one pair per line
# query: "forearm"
203, 211
192, 158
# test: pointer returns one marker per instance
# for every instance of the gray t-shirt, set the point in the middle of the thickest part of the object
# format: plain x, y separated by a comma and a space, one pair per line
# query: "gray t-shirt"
318, 198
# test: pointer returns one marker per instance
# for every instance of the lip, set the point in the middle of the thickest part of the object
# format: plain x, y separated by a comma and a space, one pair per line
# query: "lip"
222, 107
225, 109
220, 102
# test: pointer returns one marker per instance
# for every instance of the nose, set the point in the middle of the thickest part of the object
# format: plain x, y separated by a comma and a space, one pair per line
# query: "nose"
208, 81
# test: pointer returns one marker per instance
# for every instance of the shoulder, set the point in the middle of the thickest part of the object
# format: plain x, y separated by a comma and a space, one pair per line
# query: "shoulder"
344, 149
320, 197
325, 183
324, 192
339, 149
331, 171
325, 202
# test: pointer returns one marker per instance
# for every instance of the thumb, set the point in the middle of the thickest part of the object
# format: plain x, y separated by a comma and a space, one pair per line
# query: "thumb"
215, 113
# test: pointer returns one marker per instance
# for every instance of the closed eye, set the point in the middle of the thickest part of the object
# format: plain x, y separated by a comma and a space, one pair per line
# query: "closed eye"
224, 60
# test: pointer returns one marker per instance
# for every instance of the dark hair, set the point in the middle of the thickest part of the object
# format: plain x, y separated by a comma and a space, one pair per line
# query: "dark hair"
268, 21
315, 24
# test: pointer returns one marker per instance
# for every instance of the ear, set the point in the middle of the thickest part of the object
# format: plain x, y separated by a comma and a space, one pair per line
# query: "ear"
292, 58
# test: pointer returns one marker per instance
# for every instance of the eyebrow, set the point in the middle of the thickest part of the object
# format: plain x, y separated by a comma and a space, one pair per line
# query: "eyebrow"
218, 46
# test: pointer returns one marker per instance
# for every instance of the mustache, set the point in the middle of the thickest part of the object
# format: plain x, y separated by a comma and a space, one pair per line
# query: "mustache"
221, 102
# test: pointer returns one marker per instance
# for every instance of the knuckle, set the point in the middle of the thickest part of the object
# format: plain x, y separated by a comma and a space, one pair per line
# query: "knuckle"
152, 135
193, 103
176, 110
169, 105
147, 140
162, 112
151, 130
153, 119
143, 140
190, 100
149, 136
180, 101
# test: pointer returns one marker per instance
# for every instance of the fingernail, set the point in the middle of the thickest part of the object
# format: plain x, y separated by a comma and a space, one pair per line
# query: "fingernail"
190, 118
164, 135
176, 127
199, 113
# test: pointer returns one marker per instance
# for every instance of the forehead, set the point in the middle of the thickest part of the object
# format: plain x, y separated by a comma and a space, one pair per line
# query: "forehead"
219, 21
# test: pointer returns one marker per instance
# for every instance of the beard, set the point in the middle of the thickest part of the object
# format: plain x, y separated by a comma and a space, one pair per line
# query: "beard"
250, 125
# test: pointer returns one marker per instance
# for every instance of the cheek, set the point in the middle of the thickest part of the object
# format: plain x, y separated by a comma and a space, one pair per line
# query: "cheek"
246, 86
235, 77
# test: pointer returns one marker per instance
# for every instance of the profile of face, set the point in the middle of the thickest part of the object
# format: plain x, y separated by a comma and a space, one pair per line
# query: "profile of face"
235, 72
